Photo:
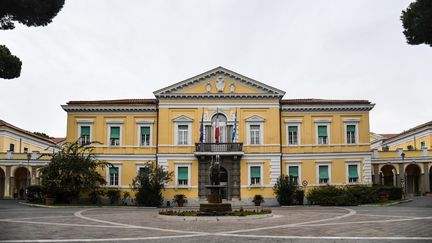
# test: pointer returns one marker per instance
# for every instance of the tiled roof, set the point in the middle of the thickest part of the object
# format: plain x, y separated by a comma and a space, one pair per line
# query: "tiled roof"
58, 140
388, 135
114, 102
323, 102
5, 124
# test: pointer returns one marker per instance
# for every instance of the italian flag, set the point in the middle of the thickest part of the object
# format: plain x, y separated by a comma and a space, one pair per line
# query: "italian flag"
217, 129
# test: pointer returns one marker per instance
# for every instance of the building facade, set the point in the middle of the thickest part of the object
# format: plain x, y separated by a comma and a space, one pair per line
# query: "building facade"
404, 159
20, 152
223, 116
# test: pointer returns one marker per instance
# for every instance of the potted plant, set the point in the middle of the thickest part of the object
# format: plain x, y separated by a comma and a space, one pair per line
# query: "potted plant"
180, 199
258, 199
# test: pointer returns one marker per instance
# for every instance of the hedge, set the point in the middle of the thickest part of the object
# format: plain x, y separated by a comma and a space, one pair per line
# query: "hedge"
351, 195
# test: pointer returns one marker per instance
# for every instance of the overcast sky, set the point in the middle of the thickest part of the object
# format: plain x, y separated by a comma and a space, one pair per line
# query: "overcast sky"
110, 49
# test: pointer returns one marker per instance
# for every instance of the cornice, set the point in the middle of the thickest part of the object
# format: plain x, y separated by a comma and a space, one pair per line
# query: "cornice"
325, 108
203, 96
77, 108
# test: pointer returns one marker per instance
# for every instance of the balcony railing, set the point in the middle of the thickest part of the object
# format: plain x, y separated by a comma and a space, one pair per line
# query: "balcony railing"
218, 147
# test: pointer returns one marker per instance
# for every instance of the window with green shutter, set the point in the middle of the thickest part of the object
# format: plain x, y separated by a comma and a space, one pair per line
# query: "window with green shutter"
182, 173
351, 134
113, 176
323, 174
145, 136
292, 134
293, 173
84, 135
322, 135
114, 136
255, 175
352, 173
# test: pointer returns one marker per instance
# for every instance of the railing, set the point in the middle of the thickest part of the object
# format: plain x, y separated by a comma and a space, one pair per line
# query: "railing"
218, 147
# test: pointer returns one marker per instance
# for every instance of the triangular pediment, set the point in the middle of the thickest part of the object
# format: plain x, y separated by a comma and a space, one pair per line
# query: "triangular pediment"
183, 118
219, 82
255, 118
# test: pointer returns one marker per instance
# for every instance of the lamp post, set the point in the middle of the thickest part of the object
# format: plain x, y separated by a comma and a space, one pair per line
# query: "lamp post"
28, 177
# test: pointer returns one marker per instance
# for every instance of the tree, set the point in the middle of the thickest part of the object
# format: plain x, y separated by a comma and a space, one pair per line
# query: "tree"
72, 171
10, 65
417, 22
149, 185
285, 189
27, 12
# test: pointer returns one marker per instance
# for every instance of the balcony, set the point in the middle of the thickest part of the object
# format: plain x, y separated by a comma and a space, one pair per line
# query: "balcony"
219, 148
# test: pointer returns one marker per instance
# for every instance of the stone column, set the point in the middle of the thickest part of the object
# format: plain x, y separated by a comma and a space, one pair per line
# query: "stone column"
426, 182
401, 175
376, 176
8, 185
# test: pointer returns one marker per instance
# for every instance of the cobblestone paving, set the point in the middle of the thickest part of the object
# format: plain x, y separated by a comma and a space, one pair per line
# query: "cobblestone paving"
410, 222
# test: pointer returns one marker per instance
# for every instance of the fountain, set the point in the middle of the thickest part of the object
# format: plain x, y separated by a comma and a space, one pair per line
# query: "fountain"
214, 199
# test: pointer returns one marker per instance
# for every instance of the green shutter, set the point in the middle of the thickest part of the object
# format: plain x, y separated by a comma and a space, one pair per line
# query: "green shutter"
113, 170
293, 171
323, 172
351, 128
352, 170
182, 173
255, 171
145, 130
115, 132
292, 128
85, 131
183, 127
322, 131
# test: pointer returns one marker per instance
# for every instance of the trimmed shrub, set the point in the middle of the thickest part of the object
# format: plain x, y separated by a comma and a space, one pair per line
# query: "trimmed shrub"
285, 189
113, 195
395, 193
34, 194
299, 196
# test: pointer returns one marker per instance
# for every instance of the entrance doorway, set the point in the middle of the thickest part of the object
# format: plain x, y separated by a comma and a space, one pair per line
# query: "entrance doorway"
388, 175
2, 183
21, 178
223, 175
412, 173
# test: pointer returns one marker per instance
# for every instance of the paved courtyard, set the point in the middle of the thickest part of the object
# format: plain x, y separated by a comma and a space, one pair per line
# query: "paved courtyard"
409, 222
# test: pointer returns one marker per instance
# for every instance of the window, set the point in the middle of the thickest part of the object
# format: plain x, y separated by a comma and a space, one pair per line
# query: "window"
292, 134
114, 135
113, 176
183, 134
145, 136
182, 175
144, 170
25, 150
84, 137
322, 134
422, 145
353, 176
323, 174
293, 173
12, 147
255, 133
255, 175
351, 134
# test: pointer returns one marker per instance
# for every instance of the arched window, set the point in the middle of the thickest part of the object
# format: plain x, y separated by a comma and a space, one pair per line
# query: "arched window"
220, 120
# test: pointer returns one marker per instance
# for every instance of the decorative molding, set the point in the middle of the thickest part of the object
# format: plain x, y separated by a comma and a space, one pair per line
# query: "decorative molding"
143, 121
114, 121
255, 118
322, 120
352, 120
84, 121
294, 121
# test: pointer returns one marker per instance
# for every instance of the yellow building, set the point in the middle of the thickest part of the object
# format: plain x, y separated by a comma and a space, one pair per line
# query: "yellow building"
245, 125
19, 159
405, 159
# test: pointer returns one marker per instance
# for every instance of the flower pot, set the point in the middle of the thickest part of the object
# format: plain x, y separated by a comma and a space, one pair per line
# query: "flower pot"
180, 203
257, 203
49, 200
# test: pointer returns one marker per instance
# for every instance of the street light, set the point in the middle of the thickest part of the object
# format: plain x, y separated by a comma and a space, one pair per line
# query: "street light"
28, 177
